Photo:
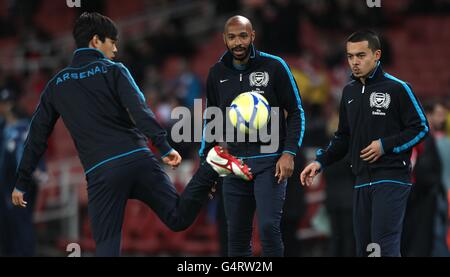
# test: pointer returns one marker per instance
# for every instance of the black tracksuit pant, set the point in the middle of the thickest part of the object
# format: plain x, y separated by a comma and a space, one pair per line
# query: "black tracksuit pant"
141, 177
262, 195
378, 213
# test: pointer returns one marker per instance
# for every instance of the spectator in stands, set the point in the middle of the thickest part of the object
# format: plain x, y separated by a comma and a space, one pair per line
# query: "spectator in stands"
438, 119
21, 13
280, 20
141, 55
313, 79
226, 7
426, 214
171, 40
17, 236
92, 6
186, 86
429, 7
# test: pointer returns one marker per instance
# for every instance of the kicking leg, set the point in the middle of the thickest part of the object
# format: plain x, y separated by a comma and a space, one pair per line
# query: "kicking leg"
179, 212
155, 189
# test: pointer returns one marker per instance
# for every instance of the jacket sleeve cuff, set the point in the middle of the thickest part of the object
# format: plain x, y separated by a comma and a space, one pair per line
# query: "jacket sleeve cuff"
290, 152
382, 147
163, 155
164, 148
22, 184
387, 144
320, 158
321, 166
291, 149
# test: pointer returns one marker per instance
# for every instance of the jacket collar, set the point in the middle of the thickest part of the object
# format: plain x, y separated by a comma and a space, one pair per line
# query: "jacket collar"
376, 74
83, 56
227, 58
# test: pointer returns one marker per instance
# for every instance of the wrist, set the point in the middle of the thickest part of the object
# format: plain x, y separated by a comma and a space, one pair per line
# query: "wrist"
381, 146
290, 153
319, 164
19, 190
166, 154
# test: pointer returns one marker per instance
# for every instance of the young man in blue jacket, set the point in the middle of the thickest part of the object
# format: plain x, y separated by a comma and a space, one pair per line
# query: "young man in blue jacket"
380, 121
109, 121
243, 69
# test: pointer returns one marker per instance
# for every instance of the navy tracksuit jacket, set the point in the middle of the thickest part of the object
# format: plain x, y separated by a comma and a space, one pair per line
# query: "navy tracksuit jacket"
385, 109
104, 123
108, 119
271, 77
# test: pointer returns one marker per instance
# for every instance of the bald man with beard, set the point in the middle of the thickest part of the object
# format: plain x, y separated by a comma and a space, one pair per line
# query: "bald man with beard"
241, 69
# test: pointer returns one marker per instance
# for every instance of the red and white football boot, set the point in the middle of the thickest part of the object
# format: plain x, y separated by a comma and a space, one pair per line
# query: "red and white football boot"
225, 164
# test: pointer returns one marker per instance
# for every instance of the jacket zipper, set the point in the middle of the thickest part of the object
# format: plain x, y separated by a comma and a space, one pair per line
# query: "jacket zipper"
241, 90
362, 116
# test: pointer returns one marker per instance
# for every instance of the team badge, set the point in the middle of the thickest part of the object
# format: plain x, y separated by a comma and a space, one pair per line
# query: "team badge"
380, 100
259, 79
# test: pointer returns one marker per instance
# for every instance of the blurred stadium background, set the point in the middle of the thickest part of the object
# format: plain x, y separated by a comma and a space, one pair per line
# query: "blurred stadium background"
169, 47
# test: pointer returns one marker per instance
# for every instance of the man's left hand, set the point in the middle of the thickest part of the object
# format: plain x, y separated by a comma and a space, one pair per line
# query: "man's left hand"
17, 199
284, 167
372, 152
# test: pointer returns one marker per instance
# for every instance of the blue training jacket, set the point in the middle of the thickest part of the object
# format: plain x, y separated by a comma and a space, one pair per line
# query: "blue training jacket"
103, 109
386, 109
269, 76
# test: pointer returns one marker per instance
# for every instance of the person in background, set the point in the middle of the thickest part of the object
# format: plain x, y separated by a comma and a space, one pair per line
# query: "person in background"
426, 213
17, 236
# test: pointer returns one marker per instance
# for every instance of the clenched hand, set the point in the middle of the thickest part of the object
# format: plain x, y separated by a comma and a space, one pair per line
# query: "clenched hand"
173, 159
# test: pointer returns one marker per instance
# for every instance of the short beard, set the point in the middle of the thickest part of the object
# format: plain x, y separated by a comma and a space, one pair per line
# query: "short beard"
247, 53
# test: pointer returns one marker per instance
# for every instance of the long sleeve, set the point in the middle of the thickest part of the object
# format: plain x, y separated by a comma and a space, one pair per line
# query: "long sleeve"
412, 118
289, 97
339, 144
134, 101
211, 101
41, 127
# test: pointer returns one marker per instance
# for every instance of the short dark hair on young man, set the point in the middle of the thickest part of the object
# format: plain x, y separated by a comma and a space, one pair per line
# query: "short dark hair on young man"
366, 35
90, 24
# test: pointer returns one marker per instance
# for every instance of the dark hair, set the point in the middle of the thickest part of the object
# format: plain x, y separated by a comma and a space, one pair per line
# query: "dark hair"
90, 24
366, 35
